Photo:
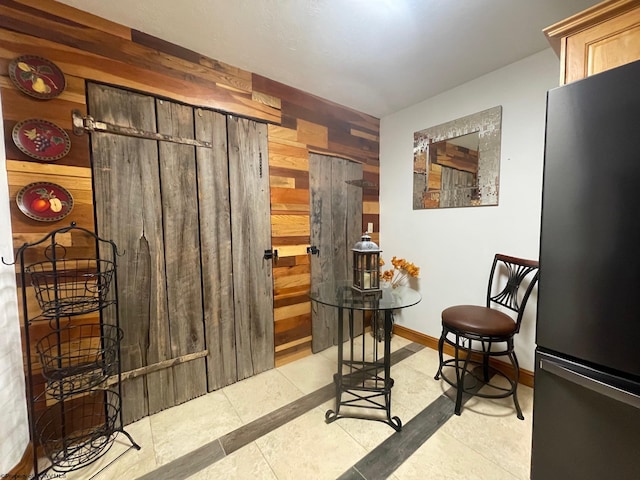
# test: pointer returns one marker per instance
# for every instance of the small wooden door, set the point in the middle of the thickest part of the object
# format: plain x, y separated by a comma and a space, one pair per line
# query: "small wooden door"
193, 224
336, 225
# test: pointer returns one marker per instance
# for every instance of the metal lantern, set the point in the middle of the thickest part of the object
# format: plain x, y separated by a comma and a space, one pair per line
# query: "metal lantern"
366, 265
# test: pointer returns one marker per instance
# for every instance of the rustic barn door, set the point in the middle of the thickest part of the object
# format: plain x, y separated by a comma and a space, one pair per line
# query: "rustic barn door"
336, 225
190, 323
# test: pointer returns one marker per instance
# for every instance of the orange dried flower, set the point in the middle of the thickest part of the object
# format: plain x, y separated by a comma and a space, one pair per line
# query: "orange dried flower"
402, 269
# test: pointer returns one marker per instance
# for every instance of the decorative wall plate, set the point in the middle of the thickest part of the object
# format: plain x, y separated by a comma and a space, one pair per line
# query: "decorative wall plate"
41, 139
37, 76
44, 201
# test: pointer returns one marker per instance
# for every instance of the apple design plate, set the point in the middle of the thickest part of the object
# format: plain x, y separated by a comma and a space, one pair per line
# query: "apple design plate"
44, 201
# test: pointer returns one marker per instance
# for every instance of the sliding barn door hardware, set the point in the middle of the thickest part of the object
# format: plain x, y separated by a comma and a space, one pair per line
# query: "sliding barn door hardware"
86, 123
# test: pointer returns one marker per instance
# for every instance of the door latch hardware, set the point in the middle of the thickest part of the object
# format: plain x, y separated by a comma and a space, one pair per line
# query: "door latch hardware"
313, 250
271, 254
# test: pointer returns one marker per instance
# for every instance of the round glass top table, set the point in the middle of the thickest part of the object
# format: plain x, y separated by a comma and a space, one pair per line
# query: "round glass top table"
363, 381
342, 294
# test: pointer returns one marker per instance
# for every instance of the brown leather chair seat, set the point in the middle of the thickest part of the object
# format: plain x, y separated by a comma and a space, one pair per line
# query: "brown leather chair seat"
478, 320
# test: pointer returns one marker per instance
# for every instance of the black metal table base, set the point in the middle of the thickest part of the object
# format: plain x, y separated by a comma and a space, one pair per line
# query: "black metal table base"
367, 397
366, 385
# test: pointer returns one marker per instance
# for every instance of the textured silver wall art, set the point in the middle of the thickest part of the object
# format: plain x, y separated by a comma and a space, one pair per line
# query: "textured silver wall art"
457, 164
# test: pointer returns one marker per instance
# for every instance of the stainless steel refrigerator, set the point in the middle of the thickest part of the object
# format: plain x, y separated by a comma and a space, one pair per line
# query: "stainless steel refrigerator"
586, 411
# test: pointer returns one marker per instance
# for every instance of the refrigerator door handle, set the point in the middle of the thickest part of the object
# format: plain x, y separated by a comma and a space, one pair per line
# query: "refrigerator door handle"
590, 383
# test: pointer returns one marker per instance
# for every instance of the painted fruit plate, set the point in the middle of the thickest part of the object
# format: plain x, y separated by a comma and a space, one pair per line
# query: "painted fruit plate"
37, 76
41, 139
44, 201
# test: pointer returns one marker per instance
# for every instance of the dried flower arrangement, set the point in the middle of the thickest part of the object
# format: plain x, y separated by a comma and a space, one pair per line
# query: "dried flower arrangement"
401, 271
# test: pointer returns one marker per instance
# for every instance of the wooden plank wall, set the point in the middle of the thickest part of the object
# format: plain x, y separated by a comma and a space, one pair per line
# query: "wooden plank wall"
87, 47
309, 124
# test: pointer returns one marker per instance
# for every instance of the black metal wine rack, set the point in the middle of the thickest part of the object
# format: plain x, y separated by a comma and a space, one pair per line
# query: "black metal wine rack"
76, 414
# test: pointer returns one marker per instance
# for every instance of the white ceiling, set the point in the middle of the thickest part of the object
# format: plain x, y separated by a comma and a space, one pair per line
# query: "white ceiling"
376, 56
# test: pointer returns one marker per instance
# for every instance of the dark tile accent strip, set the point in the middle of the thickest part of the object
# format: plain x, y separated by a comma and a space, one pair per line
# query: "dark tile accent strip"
208, 454
383, 460
413, 347
246, 434
405, 352
188, 464
353, 474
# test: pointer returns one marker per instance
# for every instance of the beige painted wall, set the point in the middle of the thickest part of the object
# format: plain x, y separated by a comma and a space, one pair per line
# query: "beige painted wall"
454, 247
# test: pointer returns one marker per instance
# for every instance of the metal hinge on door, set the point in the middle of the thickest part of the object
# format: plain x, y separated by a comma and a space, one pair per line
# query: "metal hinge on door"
86, 123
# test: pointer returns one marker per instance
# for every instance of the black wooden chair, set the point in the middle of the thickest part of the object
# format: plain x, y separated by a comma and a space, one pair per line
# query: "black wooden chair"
478, 333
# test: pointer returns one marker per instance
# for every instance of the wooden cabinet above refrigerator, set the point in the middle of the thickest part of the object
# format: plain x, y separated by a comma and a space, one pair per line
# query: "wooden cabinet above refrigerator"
602, 37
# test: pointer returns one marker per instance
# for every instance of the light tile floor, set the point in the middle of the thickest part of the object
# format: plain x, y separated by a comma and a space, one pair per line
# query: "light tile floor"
487, 442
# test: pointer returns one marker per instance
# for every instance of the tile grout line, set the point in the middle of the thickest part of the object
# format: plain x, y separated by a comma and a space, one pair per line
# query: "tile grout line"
224, 453
206, 455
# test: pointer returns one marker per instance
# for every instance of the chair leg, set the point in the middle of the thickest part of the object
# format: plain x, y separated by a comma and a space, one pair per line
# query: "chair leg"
485, 362
516, 369
460, 376
440, 356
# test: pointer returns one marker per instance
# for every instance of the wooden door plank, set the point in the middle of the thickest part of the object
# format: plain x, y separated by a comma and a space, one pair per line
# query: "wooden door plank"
251, 233
215, 242
353, 227
339, 231
343, 228
324, 319
339, 219
179, 195
127, 189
